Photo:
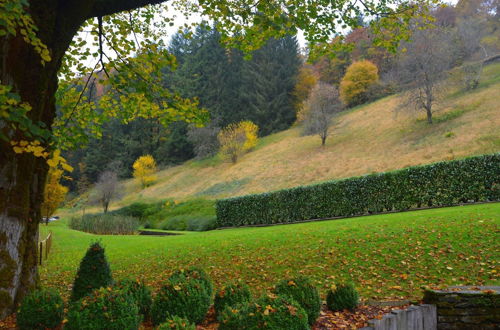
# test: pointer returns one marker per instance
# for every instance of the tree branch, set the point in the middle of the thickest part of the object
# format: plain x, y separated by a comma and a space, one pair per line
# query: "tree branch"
109, 7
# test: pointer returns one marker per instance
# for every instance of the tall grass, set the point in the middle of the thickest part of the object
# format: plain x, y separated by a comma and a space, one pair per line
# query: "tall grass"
105, 224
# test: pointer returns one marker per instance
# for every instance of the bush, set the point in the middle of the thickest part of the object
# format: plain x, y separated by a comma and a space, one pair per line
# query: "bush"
104, 309
185, 296
140, 292
41, 309
344, 296
145, 170
93, 273
304, 292
237, 139
359, 77
279, 312
196, 214
135, 210
438, 184
105, 224
177, 323
230, 296
189, 222
196, 274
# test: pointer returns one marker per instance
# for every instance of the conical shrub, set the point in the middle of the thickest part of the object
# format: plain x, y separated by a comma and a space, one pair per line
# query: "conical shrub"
93, 273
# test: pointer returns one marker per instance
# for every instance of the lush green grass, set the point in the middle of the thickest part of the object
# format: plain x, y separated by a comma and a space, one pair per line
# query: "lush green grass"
389, 255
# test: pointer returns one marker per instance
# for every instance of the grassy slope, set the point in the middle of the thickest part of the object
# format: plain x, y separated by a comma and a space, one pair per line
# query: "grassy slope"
370, 138
389, 255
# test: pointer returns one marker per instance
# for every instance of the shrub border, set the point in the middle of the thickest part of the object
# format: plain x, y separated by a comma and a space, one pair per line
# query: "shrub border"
482, 171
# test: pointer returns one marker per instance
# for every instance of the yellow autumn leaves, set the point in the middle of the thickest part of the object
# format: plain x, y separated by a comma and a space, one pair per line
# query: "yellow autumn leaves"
145, 170
236, 139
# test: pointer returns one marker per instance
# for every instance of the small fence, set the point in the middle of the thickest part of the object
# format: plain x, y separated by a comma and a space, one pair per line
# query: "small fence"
44, 248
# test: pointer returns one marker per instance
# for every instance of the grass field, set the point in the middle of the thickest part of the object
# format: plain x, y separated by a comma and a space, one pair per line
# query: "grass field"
386, 256
370, 138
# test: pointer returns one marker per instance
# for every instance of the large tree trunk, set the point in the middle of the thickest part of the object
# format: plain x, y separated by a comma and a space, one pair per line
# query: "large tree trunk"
22, 176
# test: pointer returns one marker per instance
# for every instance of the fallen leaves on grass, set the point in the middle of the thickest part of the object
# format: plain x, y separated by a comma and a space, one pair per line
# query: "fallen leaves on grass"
356, 319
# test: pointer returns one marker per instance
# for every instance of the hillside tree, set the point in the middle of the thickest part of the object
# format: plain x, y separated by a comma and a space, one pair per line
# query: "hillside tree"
422, 69
40, 44
106, 189
322, 105
355, 85
237, 139
145, 170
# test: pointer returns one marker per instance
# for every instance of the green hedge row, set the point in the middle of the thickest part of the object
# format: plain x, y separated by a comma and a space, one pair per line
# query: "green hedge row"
475, 179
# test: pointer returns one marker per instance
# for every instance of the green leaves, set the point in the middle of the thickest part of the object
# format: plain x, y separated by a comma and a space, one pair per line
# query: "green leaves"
438, 184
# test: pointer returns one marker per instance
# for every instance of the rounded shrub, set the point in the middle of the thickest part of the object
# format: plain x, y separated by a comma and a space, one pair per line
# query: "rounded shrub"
41, 309
231, 295
195, 273
277, 312
304, 292
93, 273
105, 308
181, 295
343, 296
140, 292
177, 323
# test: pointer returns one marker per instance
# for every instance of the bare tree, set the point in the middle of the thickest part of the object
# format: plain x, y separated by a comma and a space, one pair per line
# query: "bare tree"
321, 106
204, 140
421, 69
106, 188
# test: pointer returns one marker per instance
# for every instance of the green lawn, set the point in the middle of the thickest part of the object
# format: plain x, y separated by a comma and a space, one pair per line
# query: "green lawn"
385, 256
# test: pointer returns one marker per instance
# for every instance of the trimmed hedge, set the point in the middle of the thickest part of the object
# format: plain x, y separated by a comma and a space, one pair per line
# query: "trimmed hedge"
475, 179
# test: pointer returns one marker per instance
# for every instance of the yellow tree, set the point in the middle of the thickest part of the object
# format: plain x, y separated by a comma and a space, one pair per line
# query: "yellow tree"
359, 77
145, 170
237, 138
54, 192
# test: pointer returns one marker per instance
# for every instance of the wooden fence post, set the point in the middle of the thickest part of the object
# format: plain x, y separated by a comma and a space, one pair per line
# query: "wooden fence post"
41, 252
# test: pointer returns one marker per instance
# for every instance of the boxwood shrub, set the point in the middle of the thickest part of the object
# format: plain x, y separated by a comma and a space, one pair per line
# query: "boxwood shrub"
177, 323
94, 272
231, 295
41, 309
304, 292
273, 313
105, 308
473, 179
139, 292
182, 295
343, 296
196, 274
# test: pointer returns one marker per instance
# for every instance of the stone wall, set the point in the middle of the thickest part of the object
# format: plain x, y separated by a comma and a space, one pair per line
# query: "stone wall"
421, 317
466, 307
